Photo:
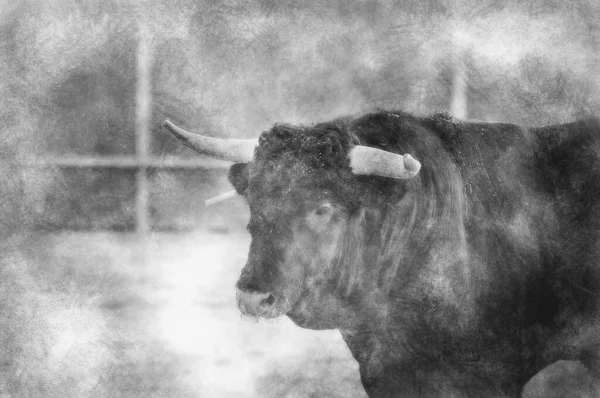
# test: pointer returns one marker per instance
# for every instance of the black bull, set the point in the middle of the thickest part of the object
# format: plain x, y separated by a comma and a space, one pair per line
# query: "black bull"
462, 278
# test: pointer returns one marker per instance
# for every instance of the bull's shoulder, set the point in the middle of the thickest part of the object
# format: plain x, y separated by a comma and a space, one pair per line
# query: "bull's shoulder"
562, 132
568, 139
460, 135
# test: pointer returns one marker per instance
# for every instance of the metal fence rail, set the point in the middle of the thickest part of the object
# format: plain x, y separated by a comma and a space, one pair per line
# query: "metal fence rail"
127, 162
135, 163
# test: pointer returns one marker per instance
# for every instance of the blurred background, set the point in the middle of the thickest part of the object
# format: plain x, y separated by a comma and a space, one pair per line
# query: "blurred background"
115, 280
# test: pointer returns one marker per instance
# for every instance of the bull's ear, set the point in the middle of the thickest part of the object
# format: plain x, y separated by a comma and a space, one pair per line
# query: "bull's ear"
238, 177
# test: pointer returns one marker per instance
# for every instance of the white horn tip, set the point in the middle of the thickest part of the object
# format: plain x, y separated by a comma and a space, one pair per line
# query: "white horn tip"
167, 124
411, 164
173, 129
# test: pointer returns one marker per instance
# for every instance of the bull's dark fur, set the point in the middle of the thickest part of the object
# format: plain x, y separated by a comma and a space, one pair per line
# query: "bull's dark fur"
469, 278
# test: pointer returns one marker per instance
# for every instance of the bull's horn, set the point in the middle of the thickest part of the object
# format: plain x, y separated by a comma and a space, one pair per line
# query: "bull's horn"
238, 151
371, 161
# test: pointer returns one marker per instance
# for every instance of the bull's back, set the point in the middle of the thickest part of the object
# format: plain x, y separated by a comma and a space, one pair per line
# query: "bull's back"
567, 166
533, 227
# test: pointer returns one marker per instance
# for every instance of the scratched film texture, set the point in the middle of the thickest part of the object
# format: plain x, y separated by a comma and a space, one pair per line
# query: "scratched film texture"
82, 313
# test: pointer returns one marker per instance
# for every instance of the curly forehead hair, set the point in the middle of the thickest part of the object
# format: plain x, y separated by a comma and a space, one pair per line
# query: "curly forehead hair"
322, 145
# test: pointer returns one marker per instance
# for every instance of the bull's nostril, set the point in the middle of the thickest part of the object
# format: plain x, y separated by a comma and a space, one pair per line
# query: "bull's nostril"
255, 303
268, 301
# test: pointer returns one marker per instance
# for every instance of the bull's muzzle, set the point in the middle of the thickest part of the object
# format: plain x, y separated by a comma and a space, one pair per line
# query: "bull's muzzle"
256, 304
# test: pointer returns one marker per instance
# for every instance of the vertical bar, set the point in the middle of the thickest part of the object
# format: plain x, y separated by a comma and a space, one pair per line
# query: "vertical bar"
142, 128
458, 100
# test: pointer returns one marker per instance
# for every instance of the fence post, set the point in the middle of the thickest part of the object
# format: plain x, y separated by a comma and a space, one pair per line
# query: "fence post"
142, 129
458, 100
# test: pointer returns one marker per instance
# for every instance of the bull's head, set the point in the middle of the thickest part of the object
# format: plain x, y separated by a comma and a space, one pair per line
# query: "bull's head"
307, 189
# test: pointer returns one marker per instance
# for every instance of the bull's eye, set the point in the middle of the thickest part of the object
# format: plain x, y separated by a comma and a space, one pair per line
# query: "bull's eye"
324, 209
320, 215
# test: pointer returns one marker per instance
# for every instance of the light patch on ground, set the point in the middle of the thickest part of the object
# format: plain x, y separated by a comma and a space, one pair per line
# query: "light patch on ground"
199, 319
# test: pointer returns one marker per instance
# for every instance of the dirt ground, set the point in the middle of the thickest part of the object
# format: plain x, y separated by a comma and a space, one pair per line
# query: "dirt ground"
100, 314
116, 318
